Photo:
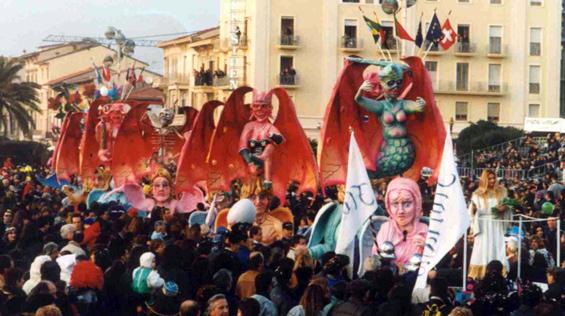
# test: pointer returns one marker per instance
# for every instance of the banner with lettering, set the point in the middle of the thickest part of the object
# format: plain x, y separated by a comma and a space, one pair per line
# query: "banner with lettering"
449, 218
359, 201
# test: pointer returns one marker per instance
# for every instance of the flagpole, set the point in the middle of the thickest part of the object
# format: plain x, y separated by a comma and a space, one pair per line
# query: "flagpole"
379, 48
429, 47
398, 42
387, 51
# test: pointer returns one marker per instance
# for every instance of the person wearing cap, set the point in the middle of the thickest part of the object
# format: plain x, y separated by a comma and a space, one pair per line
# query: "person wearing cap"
160, 231
145, 278
166, 301
271, 226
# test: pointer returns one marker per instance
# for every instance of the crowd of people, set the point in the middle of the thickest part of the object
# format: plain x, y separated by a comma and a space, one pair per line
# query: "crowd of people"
57, 258
526, 155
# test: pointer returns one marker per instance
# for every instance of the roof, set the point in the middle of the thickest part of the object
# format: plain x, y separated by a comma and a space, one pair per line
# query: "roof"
147, 93
194, 37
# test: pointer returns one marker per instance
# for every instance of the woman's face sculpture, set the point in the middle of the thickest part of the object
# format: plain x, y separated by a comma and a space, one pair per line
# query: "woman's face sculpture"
161, 189
402, 204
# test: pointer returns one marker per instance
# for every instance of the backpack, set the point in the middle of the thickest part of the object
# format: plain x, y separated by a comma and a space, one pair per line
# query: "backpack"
432, 310
139, 282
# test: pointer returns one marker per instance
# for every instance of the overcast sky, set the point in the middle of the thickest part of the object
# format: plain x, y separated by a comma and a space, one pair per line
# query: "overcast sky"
25, 23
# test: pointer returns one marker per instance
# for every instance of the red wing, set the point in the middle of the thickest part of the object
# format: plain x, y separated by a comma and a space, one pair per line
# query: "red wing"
178, 139
67, 159
89, 146
426, 129
192, 167
132, 148
57, 150
342, 113
293, 159
224, 161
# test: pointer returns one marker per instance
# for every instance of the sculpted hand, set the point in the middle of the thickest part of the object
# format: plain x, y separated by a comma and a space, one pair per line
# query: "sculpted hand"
252, 168
366, 86
419, 241
420, 104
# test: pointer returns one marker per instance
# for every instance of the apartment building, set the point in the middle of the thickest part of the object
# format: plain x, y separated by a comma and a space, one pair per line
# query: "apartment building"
69, 63
500, 69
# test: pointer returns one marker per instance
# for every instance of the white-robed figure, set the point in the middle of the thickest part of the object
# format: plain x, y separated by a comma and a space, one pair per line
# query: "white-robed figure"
486, 211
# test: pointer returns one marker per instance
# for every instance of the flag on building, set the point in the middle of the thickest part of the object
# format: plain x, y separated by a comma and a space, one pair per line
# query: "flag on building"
419, 35
375, 28
434, 31
449, 37
400, 31
449, 218
359, 203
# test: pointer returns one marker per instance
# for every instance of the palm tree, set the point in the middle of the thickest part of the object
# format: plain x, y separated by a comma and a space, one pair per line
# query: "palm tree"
18, 99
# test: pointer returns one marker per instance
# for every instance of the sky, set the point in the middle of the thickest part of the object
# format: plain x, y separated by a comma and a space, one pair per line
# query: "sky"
25, 23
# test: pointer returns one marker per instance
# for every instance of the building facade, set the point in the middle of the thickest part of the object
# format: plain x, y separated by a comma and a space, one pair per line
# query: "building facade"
500, 69
70, 63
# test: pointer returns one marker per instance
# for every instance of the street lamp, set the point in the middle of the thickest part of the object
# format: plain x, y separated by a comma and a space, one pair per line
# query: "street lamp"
125, 46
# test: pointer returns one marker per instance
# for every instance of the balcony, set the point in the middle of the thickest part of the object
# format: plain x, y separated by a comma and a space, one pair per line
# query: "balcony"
465, 49
175, 78
351, 44
496, 50
288, 81
470, 88
289, 42
227, 44
221, 81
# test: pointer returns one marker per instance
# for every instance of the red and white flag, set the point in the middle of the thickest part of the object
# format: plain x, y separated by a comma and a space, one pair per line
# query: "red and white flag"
449, 37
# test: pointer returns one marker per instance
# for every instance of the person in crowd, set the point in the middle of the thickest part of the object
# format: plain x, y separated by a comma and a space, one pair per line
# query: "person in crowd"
271, 227
486, 207
312, 302
263, 286
189, 308
248, 307
218, 306
246, 283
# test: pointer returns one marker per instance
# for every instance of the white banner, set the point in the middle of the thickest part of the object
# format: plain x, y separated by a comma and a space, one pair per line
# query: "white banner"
449, 218
359, 201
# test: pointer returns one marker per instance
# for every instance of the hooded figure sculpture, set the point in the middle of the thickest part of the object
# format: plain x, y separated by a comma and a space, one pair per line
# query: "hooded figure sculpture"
404, 230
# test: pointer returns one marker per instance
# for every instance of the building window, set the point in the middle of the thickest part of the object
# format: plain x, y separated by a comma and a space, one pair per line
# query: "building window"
533, 110
390, 41
431, 66
461, 111
536, 3
287, 31
495, 1
534, 80
350, 1
463, 38
493, 112
494, 71
288, 73
535, 41
495, 39
350, 34
462, 83
464, 1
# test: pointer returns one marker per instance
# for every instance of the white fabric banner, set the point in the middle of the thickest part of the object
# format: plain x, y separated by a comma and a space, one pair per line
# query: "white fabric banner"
359, 201
449, 218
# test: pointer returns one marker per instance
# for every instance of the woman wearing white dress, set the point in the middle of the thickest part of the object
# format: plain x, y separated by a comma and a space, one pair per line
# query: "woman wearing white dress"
486, 209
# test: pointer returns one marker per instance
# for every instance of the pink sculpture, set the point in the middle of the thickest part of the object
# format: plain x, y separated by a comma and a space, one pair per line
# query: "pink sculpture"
111, 116
403, 203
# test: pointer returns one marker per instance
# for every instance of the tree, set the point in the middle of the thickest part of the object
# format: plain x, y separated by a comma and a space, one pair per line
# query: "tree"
483, 134
18, 99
